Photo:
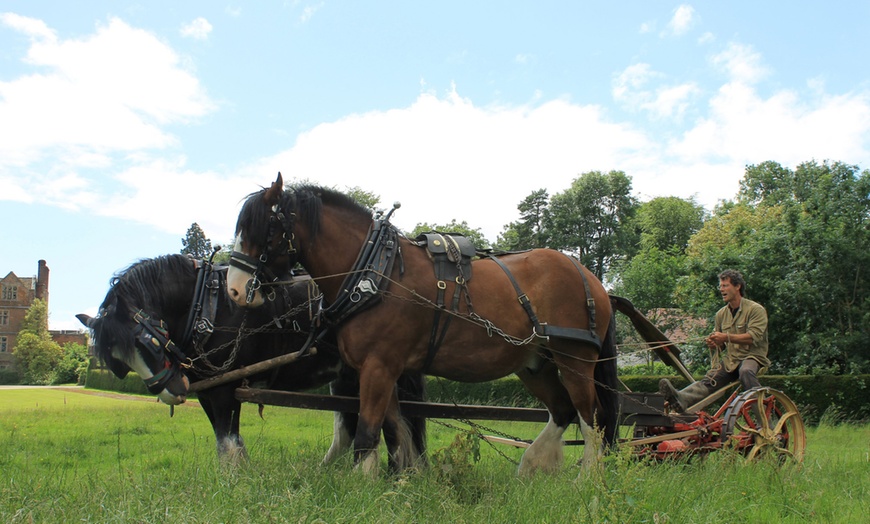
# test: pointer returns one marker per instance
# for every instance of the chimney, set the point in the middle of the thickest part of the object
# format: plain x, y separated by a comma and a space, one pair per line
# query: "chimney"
42, 282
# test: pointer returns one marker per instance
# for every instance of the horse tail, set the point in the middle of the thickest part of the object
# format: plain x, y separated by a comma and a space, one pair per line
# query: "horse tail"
412, 386
606, 385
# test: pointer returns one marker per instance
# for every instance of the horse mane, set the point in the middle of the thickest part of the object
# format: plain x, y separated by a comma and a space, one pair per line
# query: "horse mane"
308, 206
139, 286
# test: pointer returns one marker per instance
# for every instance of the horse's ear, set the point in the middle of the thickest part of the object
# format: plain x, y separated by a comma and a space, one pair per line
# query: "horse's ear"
85, 319
273, 194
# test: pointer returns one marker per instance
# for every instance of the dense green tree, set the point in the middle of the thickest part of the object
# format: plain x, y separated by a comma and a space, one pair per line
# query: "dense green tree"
529, 231
36, 353
195, 243
73, 364
367, 199
667, 223
650, 278
592, 220
475, 235
802, 240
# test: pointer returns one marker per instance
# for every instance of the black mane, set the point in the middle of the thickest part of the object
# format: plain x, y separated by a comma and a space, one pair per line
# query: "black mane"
144, 285
306, 201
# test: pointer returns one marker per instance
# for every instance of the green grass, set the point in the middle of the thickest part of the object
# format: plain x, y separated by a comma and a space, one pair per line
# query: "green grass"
71, 457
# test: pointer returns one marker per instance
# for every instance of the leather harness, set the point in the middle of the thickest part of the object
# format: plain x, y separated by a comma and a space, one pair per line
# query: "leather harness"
452, 255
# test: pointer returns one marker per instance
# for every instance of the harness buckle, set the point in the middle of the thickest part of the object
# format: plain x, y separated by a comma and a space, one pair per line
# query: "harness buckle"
252, 289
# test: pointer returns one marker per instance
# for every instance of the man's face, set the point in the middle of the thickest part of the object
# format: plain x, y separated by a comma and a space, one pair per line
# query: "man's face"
728, 290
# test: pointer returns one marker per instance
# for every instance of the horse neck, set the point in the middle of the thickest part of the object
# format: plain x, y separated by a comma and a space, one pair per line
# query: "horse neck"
332, 254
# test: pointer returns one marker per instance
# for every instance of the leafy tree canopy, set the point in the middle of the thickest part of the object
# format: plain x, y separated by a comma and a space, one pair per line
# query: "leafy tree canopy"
195, 243
475, 235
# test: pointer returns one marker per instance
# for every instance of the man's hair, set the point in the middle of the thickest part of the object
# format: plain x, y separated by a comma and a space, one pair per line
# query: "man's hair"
736, 279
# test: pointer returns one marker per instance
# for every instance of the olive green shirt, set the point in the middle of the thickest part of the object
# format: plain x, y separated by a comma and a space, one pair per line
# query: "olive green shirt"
750, 318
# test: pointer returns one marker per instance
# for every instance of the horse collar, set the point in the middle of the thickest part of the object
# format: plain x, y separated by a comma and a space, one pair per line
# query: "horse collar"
369, 276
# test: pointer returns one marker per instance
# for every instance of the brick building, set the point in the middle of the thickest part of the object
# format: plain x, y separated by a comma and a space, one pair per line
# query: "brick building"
16, 296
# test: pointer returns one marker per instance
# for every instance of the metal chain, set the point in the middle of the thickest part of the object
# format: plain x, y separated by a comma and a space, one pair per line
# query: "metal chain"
241, 334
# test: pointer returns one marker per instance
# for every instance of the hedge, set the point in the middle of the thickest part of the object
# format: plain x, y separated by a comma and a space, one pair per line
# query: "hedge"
834, 398
106, 380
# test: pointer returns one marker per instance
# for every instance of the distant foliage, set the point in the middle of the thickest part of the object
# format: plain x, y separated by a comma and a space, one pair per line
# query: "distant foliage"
473, 234
195, 243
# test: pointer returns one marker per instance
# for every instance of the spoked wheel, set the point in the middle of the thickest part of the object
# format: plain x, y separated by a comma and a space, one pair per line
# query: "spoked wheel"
765, 422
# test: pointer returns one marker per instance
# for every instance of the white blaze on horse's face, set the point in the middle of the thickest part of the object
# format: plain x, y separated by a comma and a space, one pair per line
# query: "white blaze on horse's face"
239, 282
141, 368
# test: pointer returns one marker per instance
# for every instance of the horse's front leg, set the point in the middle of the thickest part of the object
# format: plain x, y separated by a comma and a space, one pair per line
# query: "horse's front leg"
376, 394
223, 411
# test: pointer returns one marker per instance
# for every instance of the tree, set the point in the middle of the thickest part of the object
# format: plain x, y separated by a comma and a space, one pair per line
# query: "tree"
367, 199
592, 219
36, 353
195, 243
529, 231
802, 240
73, 364
473, 234
667, 223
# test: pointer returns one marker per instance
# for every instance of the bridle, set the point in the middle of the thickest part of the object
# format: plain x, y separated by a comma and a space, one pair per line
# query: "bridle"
259, 269
152, 334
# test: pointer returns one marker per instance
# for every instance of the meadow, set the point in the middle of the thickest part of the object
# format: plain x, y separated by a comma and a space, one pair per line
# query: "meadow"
69, 456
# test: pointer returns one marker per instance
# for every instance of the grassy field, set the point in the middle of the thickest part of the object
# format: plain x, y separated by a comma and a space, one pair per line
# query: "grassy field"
74, 457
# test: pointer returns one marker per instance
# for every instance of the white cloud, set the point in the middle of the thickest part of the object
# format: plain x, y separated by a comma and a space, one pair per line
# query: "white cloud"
207, 198
32, 27
742, 125
741, 63
198, 29
90, 98
682, 21
630, 88
481, 160
524, 58
631, 80
309, 10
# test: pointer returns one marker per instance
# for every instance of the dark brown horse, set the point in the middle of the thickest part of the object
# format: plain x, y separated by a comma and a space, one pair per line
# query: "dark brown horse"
157, 300
538, 314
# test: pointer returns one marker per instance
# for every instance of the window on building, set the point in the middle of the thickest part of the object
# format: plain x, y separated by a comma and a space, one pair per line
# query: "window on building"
4, 343
4, 318
10, 293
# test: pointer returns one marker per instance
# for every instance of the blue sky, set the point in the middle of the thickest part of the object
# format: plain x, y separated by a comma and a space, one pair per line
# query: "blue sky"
121, 123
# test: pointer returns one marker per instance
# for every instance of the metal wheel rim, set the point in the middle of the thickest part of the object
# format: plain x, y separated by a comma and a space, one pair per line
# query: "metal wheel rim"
770, 420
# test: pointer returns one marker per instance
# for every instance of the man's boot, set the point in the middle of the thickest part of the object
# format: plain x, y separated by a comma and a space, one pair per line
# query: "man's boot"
681, 400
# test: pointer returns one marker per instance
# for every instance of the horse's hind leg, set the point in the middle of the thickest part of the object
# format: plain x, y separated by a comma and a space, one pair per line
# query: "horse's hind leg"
578, 378
545, 453
344, 424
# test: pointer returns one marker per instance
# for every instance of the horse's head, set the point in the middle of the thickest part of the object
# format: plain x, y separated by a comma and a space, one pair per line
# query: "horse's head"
264, 245
126, 338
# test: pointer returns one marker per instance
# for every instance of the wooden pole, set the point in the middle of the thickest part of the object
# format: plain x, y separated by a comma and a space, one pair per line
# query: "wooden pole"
247, 371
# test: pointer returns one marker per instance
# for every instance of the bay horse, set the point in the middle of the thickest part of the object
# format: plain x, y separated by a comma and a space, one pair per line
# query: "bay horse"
149, 305
538, 314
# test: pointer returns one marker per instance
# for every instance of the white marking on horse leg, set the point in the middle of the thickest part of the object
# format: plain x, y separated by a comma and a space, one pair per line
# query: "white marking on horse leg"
546, 452
406, 455
593, 449
370, 464
341, 439
232, 451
